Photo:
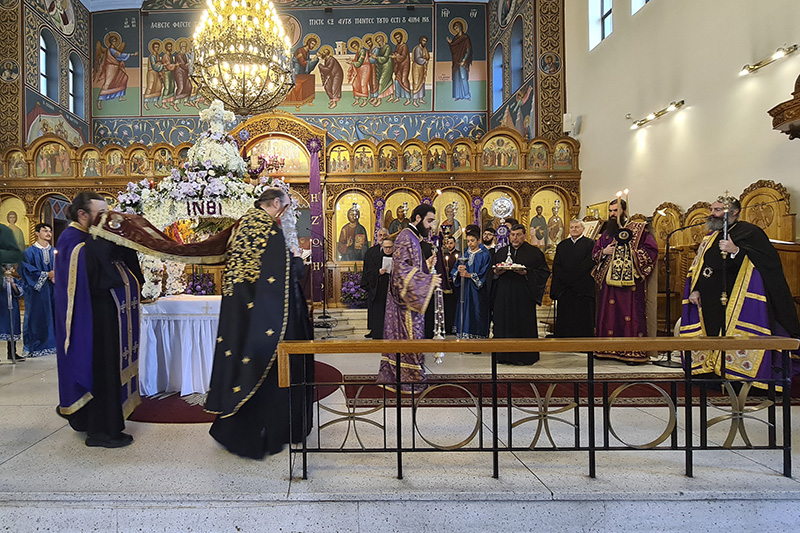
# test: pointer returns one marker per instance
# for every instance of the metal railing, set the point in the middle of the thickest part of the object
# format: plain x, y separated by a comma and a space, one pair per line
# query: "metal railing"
736, 392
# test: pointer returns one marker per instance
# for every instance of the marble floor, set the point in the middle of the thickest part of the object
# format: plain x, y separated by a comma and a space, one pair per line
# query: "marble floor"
176, 478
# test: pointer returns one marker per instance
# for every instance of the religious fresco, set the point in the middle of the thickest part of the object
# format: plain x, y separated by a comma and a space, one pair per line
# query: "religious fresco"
43, 117
412, 158
488, 219
361, 60
505, 11
436, 160
500, 153
115, 163
519, 112
562, 156
400, 200
462, 156
550, 63
52, 160
452, 203
339, 161
295, 159
547, 224
167, 64
160, 5
17, 167
12, 215
363, 159
90, 164
162, 162
354, 221
9, 71
388, 159
139, 165
62, 15
537, 156
460, 55
116, 57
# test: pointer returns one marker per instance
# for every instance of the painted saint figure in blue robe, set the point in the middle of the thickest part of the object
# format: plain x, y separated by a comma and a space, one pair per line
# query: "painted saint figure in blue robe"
36, 272
472, 274
461, 53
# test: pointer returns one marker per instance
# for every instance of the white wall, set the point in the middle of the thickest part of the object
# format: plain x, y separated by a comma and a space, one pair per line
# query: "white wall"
683, 49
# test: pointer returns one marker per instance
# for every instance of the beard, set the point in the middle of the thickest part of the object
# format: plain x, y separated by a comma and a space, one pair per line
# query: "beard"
612, 226
718, 223
487, 242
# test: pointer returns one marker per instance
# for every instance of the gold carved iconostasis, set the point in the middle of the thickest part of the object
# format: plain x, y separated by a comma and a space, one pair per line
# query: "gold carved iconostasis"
365, 185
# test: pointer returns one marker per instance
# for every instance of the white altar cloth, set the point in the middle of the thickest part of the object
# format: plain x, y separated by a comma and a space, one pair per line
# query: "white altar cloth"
176, 347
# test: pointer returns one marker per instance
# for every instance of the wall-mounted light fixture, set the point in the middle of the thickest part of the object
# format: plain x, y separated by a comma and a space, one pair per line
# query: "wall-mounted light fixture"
781, 52
656, 114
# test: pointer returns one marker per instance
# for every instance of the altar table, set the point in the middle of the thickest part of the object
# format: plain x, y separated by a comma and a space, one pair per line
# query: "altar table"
176, 347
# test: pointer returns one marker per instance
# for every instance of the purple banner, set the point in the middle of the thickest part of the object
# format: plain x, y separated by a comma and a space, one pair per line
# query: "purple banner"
314, 145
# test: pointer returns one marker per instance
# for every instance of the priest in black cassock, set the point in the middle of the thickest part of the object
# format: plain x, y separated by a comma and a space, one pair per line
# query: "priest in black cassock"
450, 255
517, 293
372, 263
573, 286
376, 279
261, 304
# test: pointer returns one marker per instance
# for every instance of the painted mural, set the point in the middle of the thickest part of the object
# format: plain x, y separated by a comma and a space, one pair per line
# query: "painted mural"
167, 88
43, 117
460, 77
351, 128
519, 112
357, 60
116, 90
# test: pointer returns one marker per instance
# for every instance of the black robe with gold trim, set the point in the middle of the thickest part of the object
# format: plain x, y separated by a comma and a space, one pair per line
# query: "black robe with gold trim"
261, 304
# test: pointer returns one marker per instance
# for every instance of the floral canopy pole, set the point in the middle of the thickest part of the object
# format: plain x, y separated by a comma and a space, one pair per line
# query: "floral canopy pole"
209, 187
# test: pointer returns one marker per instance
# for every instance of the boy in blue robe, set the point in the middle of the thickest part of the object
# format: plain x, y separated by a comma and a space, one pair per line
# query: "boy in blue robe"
9, 256
36, 273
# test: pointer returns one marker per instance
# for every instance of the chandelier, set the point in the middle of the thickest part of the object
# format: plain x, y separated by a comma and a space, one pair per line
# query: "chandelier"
242, 56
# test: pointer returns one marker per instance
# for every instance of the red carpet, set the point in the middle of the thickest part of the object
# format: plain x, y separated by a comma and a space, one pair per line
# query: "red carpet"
476, 388
175, 409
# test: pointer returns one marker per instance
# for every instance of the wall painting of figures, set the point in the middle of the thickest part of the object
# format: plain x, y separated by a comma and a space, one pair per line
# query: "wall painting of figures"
354, 226
116, 60
361, 60
460, 76
167, 63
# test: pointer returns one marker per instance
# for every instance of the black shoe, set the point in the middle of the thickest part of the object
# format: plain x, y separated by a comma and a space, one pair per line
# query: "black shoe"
104, 441
17, 358
368, 335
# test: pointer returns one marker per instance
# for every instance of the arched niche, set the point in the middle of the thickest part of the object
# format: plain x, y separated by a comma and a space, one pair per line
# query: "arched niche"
549, 217
89, 163
565, 155
295, 157
14, 215
463, 155
139, 162
364, 156
407, 198
16, 165
52, 209
163, 159
389, 156
455, 200
413, 156
488, 219
500, 150
354, 222
436, 158
113, 159
52, 158
339, 158
539, 151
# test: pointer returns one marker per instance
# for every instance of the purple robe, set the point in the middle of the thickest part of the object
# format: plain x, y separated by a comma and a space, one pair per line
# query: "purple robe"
73, 325
410, 290
621, 308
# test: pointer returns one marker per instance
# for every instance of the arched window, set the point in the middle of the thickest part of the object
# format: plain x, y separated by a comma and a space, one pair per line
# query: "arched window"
516, 55
48, 65
76, 85
497, 77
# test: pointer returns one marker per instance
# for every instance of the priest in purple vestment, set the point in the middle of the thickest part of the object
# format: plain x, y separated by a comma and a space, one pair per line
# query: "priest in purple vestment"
625, 255
759, 301
410, 290
98, 282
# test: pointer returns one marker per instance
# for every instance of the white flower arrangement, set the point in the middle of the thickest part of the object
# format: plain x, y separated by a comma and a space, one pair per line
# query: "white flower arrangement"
153, 271
176, 278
